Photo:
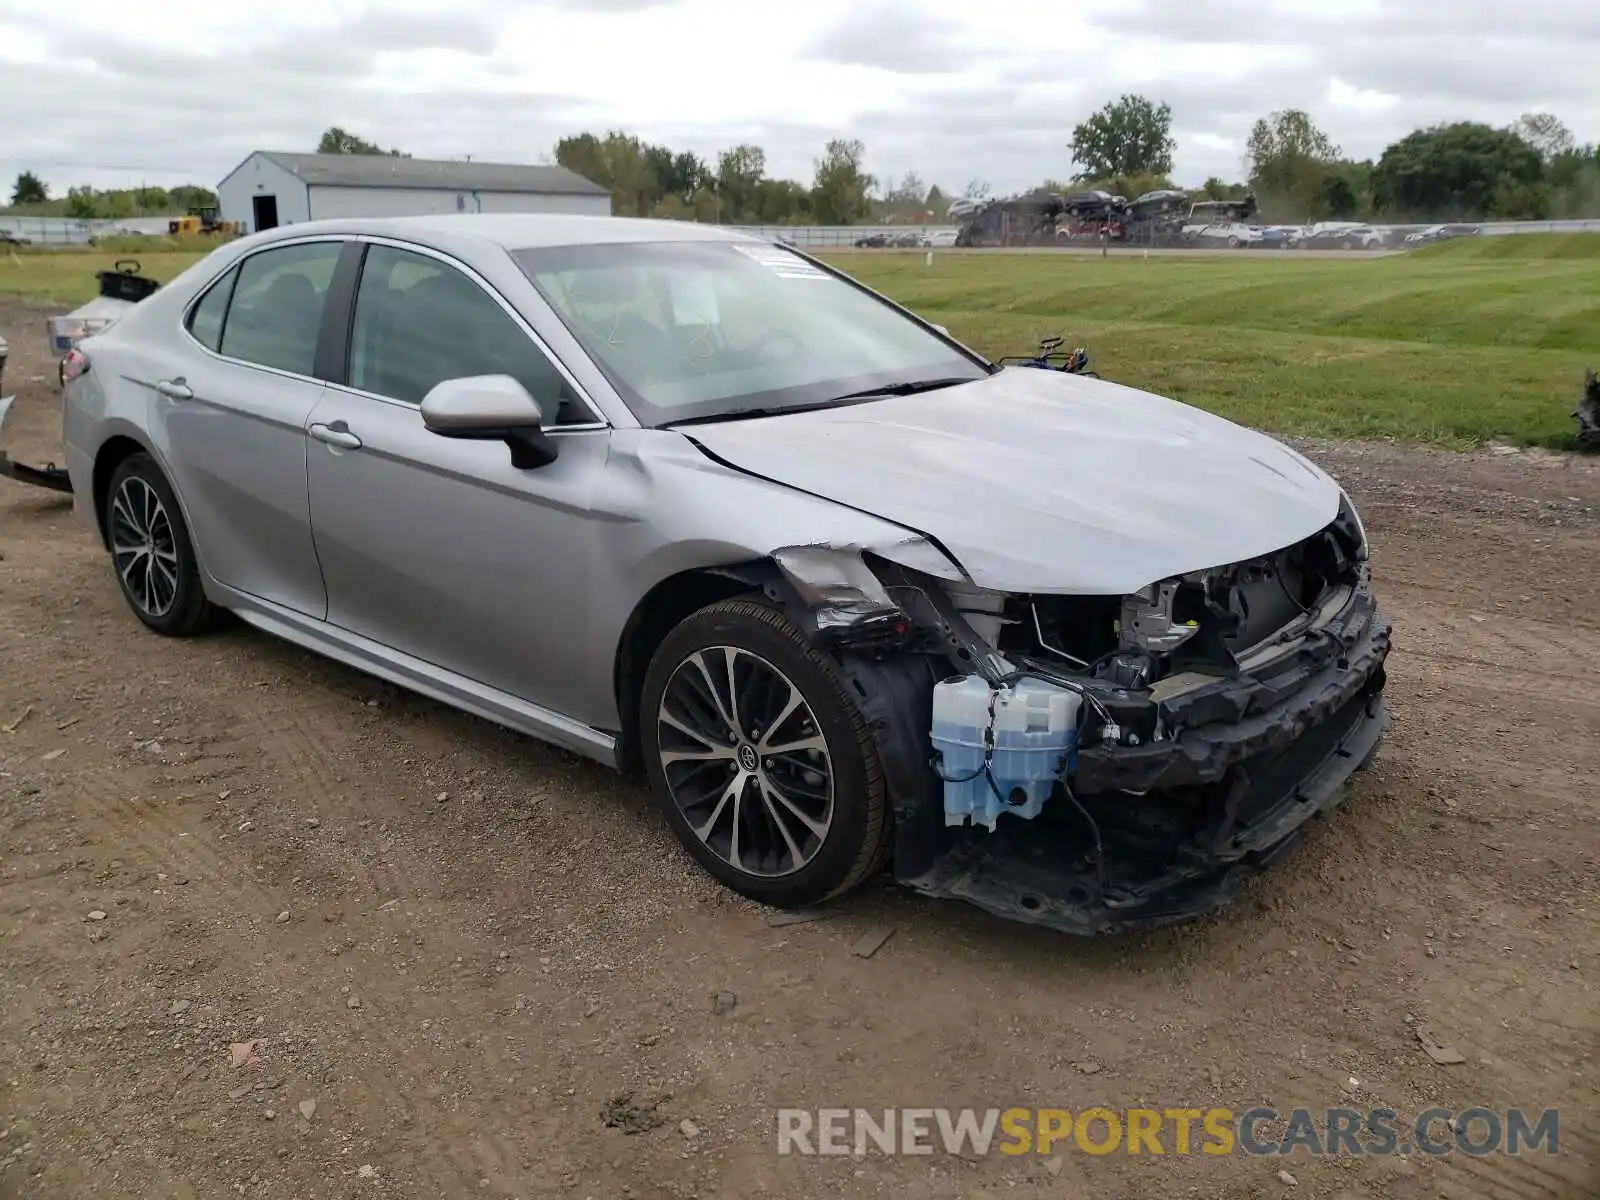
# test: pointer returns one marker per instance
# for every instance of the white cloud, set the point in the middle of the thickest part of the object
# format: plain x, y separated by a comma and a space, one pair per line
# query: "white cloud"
112, 92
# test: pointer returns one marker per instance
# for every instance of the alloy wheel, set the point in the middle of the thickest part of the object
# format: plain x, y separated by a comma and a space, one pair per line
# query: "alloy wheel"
745, 761
143, 547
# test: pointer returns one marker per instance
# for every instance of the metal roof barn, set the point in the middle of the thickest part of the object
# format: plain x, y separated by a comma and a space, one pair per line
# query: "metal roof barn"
270, 188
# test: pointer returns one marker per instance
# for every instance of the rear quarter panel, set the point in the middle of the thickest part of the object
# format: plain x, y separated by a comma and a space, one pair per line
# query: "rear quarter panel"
108, 401
98, 406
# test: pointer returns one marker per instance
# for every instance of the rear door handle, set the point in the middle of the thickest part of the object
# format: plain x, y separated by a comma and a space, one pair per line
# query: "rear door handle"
175, 389
337, 434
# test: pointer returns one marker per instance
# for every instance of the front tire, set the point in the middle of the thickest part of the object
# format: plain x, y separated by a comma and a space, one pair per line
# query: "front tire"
764, 766
152, 553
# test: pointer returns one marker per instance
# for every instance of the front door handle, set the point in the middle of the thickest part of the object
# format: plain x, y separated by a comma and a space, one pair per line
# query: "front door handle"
337, 434
175, 389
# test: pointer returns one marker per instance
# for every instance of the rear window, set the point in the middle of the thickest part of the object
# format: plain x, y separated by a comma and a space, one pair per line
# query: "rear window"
275, 315
206, 318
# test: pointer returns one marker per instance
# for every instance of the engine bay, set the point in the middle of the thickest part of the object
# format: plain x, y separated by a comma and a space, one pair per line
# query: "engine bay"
1205, 620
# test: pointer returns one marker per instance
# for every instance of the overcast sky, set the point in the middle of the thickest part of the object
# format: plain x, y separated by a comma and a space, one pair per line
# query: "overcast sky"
110, 92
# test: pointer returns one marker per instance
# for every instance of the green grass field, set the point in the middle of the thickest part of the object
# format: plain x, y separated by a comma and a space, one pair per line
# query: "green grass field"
1454, 345
67, 276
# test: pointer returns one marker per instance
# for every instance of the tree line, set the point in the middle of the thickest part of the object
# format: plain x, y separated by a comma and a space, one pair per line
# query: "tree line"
1533, 169
30, 196
646, 179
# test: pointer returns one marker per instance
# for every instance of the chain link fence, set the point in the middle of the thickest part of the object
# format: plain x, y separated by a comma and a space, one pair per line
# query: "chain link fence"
66, 231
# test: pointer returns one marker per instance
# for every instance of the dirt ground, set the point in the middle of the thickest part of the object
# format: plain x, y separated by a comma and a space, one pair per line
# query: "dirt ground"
461, 944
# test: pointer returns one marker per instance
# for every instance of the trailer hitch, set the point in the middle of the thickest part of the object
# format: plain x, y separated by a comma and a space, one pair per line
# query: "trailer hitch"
48, 476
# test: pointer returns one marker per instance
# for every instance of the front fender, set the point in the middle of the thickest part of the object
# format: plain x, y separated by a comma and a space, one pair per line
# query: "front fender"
680, 509
670, 511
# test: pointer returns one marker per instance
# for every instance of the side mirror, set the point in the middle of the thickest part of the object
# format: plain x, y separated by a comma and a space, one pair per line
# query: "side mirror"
494, 408
941, 329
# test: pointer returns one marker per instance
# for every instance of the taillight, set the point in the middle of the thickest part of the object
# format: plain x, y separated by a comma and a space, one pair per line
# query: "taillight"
73, 364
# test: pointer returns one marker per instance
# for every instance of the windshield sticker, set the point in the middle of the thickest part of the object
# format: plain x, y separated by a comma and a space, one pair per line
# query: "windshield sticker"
779, 261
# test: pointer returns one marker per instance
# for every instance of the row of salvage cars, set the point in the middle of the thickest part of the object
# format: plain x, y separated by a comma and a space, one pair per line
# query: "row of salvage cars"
1327, 235
702, 507
1164, 218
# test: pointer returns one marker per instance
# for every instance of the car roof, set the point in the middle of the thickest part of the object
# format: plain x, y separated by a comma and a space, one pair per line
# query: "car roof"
520, 231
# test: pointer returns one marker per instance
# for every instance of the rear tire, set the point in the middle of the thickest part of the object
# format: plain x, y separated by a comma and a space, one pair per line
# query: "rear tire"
151, 551
791, 809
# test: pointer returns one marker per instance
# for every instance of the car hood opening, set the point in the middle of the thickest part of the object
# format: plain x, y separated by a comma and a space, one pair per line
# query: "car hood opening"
1038, 481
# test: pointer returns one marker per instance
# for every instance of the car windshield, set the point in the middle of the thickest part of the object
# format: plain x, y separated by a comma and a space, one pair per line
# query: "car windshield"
693, 330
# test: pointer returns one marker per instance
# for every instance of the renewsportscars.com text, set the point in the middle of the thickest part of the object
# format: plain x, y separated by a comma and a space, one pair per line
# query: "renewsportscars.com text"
1181, 1131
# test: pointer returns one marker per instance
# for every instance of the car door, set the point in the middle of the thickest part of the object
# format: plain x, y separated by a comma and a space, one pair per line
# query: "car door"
437, 547
231, 418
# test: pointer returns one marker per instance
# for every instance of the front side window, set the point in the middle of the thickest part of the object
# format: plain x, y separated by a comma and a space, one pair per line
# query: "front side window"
276, 312
419, 321
696, 330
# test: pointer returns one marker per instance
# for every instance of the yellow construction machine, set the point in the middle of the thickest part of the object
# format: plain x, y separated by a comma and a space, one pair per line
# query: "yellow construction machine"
201, 221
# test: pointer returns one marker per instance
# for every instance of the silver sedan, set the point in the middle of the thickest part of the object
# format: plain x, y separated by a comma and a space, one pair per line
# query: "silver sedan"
698, 505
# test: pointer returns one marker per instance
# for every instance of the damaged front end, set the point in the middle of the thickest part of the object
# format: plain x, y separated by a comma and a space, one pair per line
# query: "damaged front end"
1098, 763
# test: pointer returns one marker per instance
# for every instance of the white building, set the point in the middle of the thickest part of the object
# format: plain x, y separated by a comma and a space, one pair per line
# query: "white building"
270, 189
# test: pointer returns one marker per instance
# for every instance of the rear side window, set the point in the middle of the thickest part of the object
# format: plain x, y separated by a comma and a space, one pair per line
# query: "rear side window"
276, 311
205, 319
419, 321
